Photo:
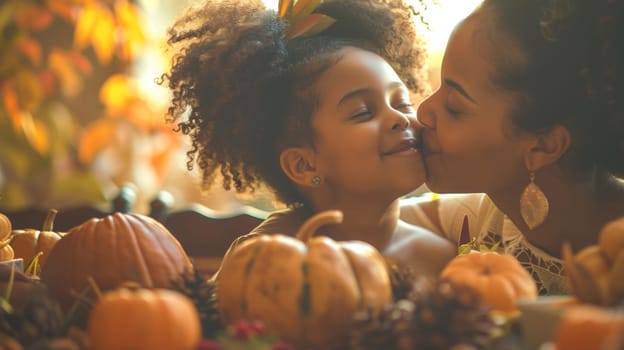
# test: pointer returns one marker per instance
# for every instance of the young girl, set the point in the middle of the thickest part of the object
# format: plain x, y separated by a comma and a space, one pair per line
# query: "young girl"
531, 113
324, 119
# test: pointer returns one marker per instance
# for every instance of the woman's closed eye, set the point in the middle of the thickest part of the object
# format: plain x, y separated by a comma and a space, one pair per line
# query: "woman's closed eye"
452, 111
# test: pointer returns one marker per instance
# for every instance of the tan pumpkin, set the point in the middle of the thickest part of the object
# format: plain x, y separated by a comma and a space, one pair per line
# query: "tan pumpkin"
29, 242
5, 227
6, 252
142, 319
498, 278
111, 250
304, 289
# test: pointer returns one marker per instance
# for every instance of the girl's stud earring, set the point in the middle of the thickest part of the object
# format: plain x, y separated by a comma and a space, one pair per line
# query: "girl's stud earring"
316, 180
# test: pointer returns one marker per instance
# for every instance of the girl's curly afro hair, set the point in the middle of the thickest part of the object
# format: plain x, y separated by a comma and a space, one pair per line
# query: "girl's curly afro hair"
242, 91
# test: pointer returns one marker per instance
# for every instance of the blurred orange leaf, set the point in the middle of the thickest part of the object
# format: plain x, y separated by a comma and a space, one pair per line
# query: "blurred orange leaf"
62, 8
95, 138
80, 62
31, 49
48, 82
36, 134
117, 91
62, 67
11, 105
33, 17
104, 36
85, 25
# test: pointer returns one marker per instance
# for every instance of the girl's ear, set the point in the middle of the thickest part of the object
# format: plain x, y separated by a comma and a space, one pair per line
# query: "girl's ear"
548, 148
298, 164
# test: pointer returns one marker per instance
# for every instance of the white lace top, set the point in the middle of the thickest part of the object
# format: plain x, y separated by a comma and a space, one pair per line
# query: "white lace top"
490, 226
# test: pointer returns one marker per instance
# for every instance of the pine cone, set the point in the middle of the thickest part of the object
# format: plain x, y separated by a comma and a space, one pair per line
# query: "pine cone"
40, 318
203, 294
435, 315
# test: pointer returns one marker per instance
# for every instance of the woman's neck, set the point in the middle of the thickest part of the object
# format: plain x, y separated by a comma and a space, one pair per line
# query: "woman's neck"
577, 211
365, 221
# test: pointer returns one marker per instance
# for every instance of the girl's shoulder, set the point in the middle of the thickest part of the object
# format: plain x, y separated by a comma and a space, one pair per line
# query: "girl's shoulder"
422, 249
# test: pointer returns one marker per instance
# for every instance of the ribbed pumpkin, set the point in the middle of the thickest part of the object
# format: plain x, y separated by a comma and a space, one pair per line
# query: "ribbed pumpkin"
114, 249
498, 278
142, 319
28, 242
304, 289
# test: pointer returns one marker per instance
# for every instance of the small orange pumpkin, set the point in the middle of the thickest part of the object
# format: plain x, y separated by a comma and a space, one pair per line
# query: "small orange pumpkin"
142, 319
29, 242
111, 250
304, 289
498, 278
587, 326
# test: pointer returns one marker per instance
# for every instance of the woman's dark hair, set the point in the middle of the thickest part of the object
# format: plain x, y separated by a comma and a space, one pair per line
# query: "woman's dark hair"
571, 72
243, 92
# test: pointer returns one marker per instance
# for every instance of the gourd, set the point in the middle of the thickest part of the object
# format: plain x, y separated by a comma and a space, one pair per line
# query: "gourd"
29, 242
498, 278
594, 273
5, 227
111, 250
132, 318
6, 252
305, 289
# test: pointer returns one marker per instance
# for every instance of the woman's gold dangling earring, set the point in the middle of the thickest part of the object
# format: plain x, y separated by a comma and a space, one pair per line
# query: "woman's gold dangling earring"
533, 204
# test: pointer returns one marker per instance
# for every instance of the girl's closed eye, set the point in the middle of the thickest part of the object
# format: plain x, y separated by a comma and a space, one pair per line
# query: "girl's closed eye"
362, 113
405, 106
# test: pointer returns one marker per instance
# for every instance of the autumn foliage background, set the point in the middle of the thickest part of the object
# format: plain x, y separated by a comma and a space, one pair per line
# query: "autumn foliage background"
74, 124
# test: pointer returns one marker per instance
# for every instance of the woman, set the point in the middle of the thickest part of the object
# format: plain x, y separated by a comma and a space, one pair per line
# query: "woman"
325, 120
529, 112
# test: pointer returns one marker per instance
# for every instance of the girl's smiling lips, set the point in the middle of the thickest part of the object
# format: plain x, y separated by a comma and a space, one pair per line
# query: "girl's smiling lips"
405, 147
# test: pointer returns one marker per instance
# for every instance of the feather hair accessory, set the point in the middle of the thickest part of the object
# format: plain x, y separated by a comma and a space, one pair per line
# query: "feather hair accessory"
300, 19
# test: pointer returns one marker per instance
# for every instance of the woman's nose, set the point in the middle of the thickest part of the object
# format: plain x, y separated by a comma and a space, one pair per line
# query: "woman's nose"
426, 114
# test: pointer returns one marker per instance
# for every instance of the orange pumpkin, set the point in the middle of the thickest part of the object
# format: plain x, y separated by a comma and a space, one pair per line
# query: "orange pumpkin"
142, 319
587, 326
499, 279
28, 242
304, 289
111, 250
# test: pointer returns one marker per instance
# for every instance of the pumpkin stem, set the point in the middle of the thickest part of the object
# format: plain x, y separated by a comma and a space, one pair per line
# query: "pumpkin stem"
95, 287
310, 226
48, 224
